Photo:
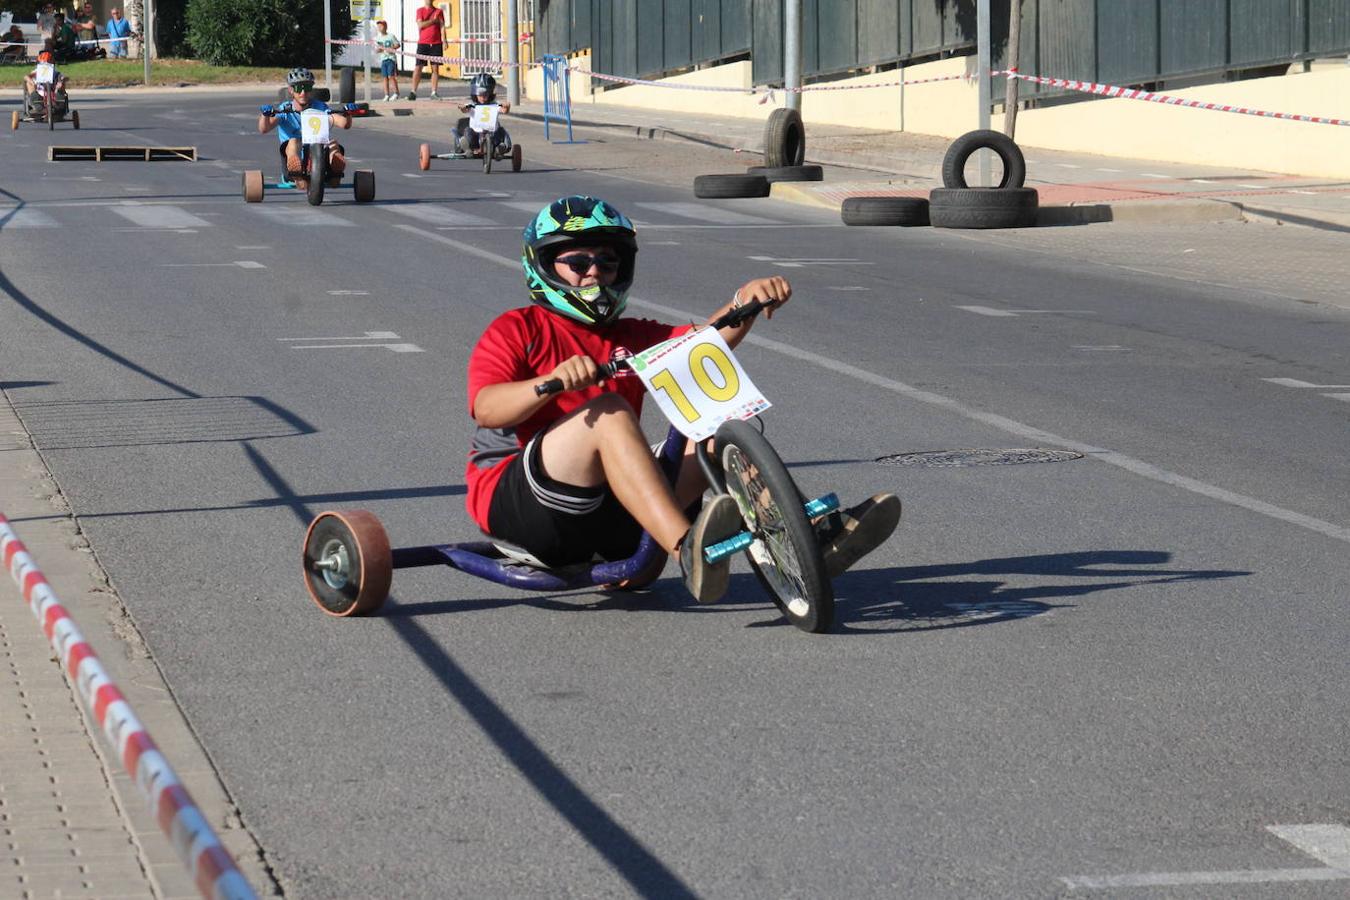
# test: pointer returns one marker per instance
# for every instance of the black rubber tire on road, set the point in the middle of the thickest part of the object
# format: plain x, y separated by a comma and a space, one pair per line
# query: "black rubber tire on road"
785, 555
517, 158
730, 186
983, 207
347, 85
363, 185
788, 173
75, 119
884, 211
784, 138
954, 163
318, 173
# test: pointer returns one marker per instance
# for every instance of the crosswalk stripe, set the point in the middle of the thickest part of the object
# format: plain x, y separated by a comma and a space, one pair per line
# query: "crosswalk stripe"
436, 214
705, 212
25, 218
291, 214
154, 216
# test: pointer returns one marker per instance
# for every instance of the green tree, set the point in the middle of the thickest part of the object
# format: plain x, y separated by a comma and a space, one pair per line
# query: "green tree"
263, 32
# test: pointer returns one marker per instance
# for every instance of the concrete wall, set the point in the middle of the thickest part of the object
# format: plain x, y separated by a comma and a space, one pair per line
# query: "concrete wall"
1110, 127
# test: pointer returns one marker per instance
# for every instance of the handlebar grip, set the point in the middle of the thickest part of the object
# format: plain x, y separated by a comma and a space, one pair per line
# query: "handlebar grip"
552, 386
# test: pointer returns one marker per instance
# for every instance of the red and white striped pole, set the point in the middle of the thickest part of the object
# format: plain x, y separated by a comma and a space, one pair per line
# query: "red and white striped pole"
211, 865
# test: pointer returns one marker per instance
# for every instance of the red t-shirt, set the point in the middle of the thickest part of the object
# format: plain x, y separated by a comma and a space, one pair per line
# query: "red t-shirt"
530, 342
430, 22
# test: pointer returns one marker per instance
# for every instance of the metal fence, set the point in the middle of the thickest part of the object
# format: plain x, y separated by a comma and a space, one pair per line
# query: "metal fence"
1117, 41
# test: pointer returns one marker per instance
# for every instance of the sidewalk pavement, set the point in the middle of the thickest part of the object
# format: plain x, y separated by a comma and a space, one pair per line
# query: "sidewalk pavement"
1074, 187
72, 822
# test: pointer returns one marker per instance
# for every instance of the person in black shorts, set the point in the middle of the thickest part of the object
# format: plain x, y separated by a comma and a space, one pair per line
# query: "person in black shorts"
430, 36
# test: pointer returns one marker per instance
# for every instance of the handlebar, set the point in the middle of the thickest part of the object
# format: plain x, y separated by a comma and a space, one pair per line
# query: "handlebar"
731, 318
271, 110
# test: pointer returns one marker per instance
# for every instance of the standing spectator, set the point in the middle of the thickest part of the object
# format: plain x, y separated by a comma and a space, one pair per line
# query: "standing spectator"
86, 33
430, 34
388, 44
119, 29
46, 20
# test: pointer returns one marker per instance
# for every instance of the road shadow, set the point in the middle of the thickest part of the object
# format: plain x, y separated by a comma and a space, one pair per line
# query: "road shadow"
921, 598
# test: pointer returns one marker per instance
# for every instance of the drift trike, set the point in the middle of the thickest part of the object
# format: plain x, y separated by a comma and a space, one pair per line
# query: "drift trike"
348, 562
315, 152
494, 144
45, 104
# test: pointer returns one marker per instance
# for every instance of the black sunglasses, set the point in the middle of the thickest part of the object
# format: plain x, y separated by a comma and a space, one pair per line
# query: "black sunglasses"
580, 263
302, 88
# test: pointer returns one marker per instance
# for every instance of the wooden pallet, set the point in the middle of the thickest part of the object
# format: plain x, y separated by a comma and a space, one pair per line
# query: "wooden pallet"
58, 152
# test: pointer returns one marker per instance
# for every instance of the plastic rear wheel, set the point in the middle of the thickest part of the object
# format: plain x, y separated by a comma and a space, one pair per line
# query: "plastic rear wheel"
14, 120
253, 186
516, 158
785, 554
424, 157
347, 562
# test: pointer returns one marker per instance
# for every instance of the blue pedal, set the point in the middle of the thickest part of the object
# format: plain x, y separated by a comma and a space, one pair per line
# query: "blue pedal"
738, 542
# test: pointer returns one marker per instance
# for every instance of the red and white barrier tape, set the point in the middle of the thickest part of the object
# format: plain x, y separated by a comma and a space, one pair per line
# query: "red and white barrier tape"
211, 865
447, 60
1111, 90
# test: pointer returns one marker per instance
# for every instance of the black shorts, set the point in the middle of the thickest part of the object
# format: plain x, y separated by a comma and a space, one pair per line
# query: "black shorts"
429, 50
561, 524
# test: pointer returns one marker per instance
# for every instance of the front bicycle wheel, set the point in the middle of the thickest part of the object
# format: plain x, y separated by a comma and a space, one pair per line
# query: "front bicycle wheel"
784, 554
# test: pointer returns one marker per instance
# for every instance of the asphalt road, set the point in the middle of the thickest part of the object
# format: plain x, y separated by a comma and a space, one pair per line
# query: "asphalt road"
1128, 666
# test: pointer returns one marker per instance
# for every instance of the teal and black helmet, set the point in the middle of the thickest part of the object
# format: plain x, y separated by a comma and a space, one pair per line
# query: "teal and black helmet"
579, 221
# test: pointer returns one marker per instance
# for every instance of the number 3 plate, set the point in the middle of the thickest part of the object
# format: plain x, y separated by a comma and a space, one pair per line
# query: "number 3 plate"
697, 383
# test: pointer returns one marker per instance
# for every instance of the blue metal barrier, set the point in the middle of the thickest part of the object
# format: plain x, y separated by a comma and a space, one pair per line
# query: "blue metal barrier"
557, 96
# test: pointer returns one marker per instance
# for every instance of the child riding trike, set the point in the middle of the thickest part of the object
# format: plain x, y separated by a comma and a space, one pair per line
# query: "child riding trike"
311, 159
44, 96
478, 135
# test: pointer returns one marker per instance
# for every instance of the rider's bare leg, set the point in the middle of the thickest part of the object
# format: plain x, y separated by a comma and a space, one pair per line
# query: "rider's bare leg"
602, 443
293, 156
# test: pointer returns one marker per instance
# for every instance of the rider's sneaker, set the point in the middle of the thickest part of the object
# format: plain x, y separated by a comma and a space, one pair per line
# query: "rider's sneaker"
434, 96
718, 520
412, 95
850, 534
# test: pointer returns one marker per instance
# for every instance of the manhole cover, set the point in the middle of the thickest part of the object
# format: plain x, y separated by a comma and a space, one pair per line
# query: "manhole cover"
951, 459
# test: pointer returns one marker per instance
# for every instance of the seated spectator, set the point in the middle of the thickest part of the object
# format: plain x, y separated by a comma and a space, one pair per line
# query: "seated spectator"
15, 48
63, 38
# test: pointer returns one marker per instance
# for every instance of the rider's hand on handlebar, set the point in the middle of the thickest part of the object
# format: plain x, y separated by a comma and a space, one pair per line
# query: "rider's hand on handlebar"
772, 290
266, 109
576, 373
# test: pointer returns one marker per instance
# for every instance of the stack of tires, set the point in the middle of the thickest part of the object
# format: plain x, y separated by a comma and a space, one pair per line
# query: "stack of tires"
784, 153
956, 204
1009, 205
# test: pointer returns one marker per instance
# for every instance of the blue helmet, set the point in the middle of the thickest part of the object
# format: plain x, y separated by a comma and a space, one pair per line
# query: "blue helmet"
575, 221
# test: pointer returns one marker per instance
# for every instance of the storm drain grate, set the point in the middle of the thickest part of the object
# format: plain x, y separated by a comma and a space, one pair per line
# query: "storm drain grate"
952, 459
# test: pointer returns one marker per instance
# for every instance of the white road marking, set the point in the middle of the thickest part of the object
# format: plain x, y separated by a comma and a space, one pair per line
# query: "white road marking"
436, 214
300, 215
847, 287
350, 293
1328, 844
705, 212
528, 206
252, 247
25, 218
150, 216
1253, 187
249, 264
662, 243
241, 263
1120, 460
1295, 383
1110, 170
1098, 347
1202, 181
1153, 175
397, 348
1309, 193
409, 175
799, 262
1068, 166
987, 311
368, 336
1343, 397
